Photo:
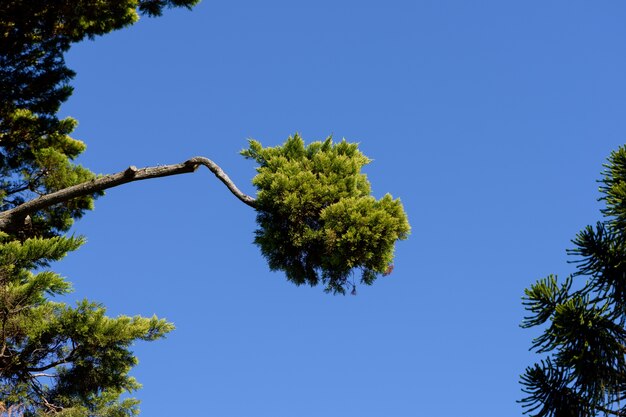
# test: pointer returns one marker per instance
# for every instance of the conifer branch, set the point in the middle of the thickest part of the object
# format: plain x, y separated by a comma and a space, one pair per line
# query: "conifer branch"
15, 218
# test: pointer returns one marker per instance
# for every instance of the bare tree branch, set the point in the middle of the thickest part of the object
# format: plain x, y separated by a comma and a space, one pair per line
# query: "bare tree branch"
15, 218
69, 358
44, 375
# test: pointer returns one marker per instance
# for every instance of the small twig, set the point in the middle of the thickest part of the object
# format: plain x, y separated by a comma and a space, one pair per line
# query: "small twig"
42, 374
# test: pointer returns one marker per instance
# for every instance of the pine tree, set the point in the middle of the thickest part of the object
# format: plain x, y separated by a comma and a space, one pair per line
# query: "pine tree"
317, 220
584, 372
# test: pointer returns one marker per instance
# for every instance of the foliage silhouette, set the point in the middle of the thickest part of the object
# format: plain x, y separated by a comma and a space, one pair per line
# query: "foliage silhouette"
584, 373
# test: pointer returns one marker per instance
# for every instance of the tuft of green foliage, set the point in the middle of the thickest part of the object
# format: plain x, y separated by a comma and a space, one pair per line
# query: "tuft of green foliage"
584, 335
317, 220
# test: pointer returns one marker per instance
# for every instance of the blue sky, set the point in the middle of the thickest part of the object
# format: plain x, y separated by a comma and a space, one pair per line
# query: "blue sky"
490, 120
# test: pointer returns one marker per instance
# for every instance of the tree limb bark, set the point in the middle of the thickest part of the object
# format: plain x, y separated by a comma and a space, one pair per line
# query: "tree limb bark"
14, 219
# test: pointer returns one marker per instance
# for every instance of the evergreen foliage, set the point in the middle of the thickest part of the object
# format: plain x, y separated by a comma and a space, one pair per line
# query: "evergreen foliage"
317, 220
55, 359
584, 373
36, 150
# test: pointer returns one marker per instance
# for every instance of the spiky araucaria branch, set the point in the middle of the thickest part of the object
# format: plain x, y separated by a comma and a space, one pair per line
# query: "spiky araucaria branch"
14, 219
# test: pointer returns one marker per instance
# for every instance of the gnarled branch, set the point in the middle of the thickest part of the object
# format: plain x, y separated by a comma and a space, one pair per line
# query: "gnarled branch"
14, 219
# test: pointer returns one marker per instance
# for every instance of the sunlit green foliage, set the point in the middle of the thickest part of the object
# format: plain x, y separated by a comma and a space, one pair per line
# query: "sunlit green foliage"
585, 338
54, 357
317, 220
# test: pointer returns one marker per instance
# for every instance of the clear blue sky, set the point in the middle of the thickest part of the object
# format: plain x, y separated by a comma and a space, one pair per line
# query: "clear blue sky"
490, 120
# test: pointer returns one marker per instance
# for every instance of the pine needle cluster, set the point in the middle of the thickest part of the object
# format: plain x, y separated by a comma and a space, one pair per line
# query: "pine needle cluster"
317, 220
584, 335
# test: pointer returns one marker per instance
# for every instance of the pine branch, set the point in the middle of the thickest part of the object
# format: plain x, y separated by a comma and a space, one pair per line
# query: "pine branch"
15, 218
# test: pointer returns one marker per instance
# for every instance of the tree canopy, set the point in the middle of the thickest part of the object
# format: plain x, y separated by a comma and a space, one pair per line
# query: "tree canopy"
584, 372
317, 220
